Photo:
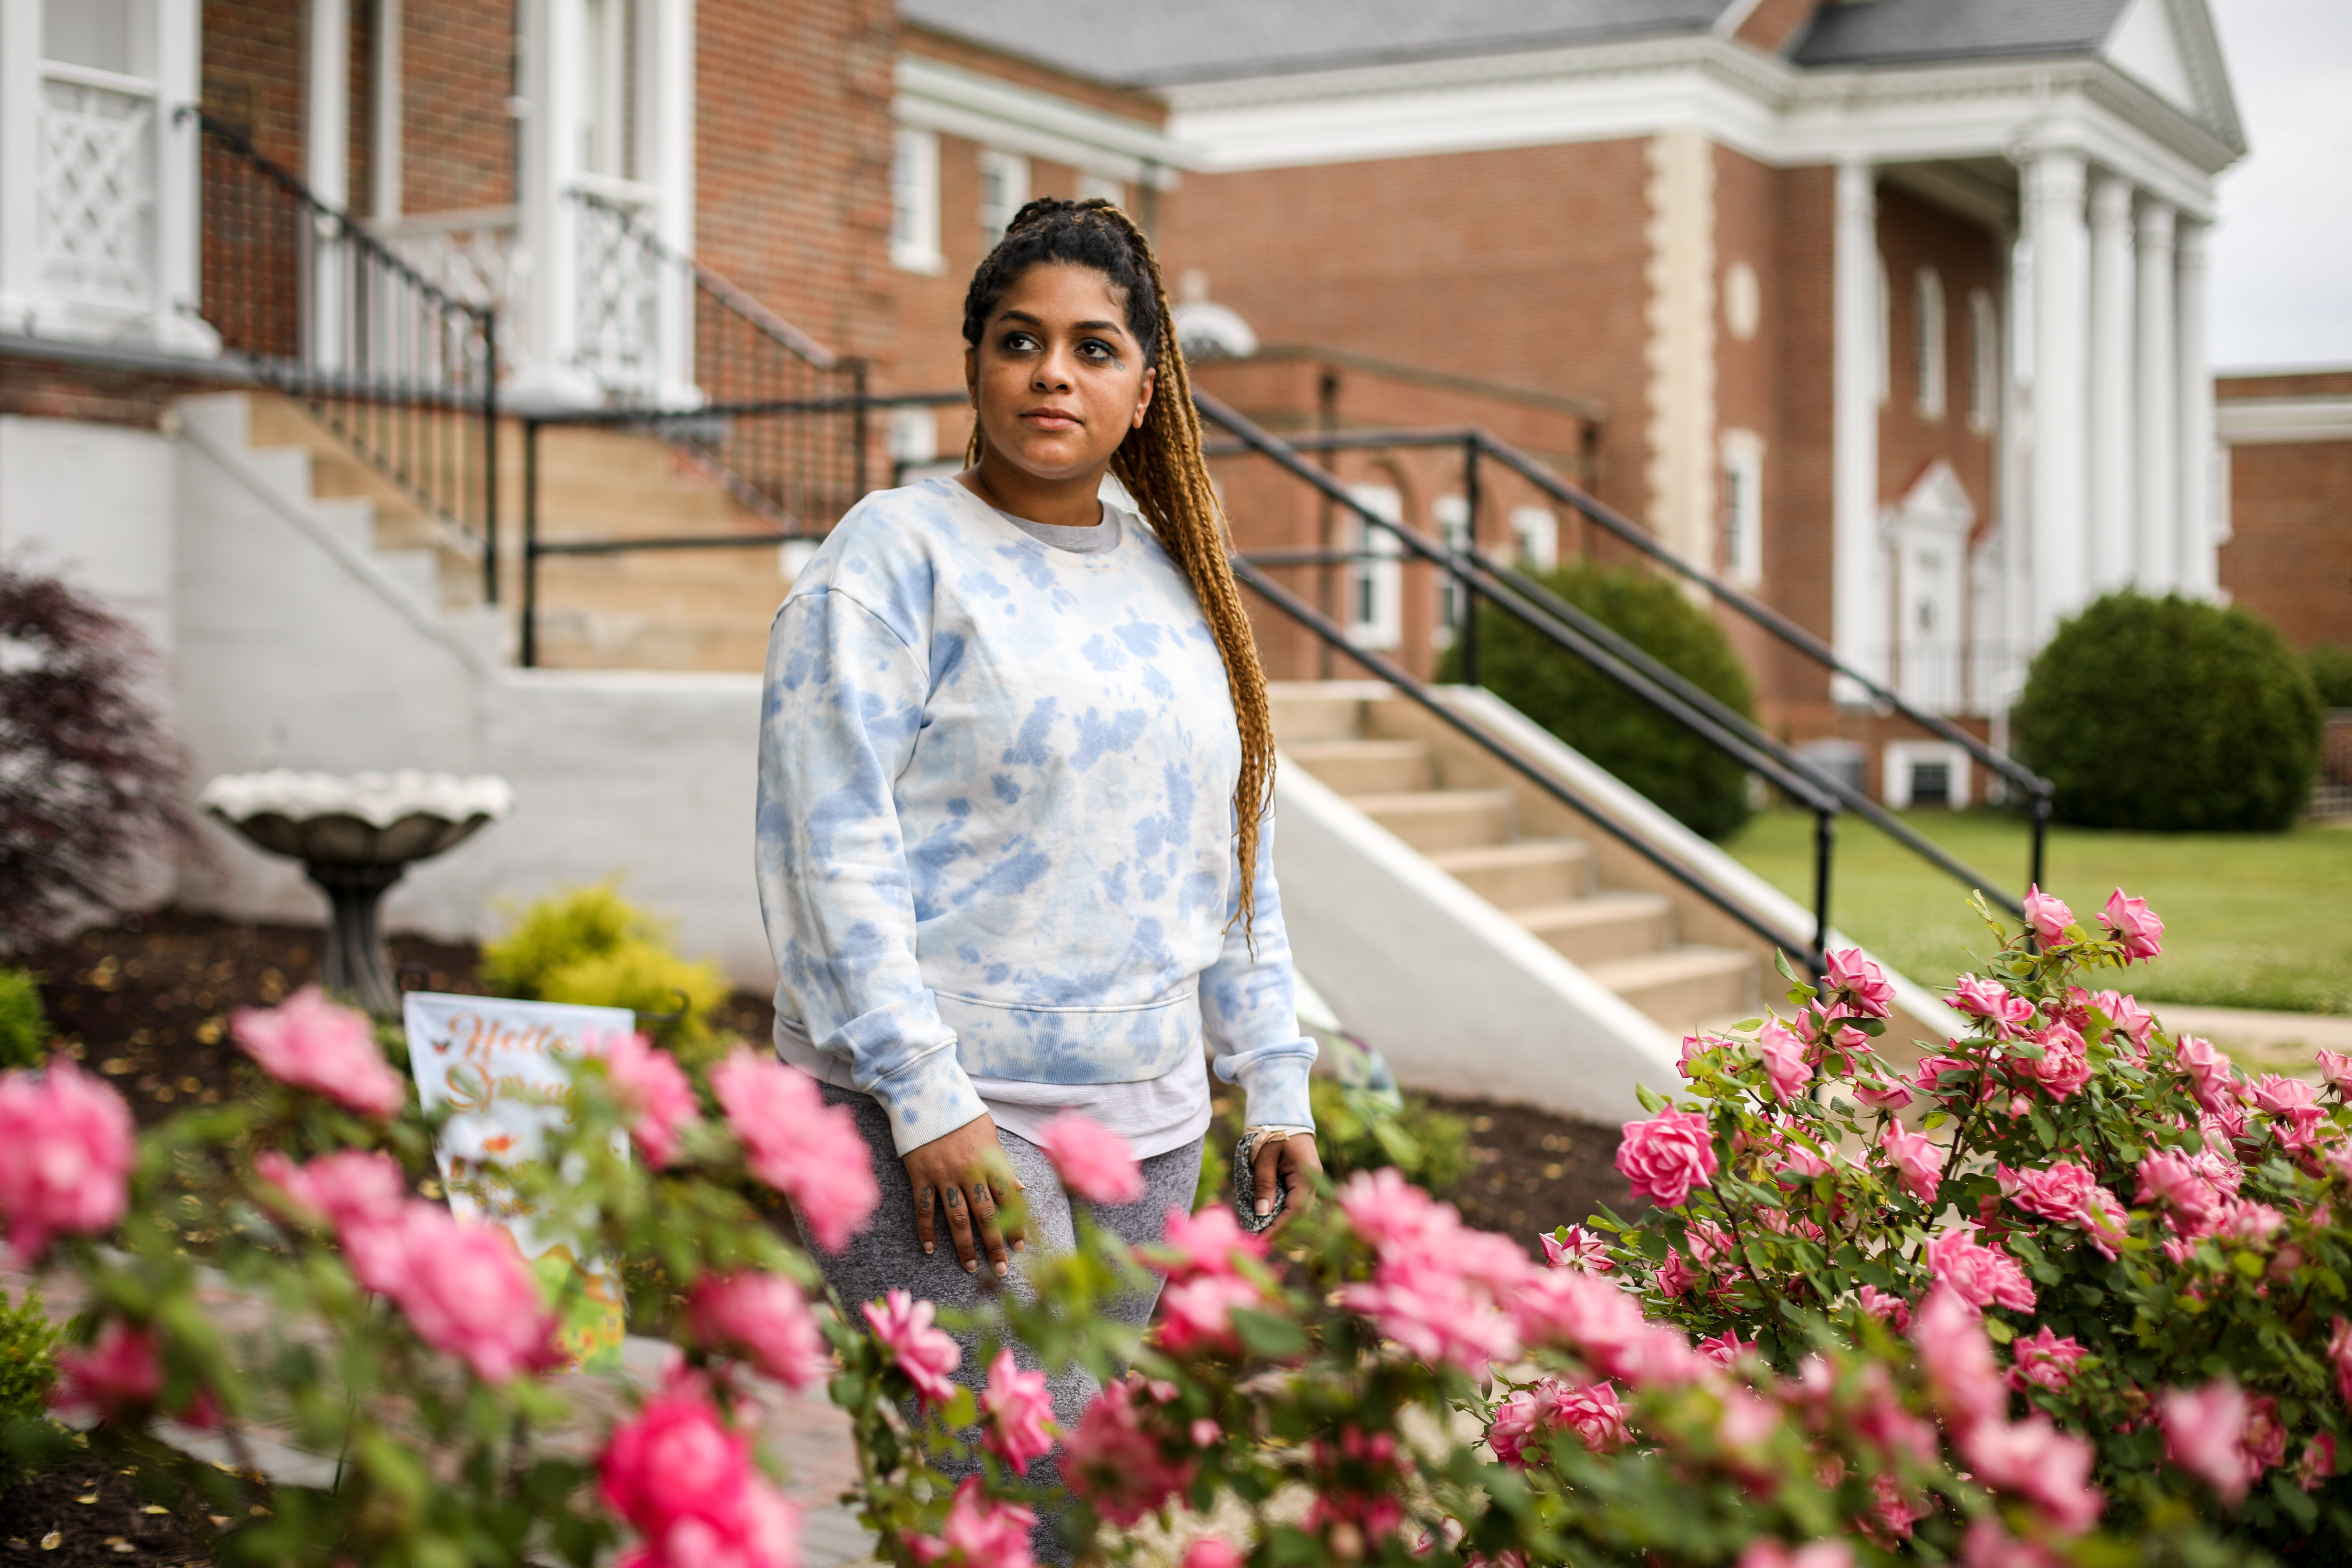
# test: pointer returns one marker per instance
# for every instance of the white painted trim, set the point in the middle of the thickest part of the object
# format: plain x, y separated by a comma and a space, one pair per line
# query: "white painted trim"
327, 102
914, 154
1857, 610
386, 157
936, 96
2277, 421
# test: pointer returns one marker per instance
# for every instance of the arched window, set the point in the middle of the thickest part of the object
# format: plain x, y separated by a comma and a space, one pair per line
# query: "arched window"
1928, 336
1984, 362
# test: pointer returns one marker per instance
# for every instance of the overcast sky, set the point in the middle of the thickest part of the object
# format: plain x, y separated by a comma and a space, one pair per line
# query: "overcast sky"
2283, 256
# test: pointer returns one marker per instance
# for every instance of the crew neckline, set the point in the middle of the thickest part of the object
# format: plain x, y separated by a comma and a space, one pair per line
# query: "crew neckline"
1113, 516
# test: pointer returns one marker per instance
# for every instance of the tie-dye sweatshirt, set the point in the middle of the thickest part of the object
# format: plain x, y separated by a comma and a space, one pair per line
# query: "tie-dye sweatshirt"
996, 821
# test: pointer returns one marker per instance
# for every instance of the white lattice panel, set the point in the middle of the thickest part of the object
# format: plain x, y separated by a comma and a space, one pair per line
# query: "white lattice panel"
97, 189
620, 302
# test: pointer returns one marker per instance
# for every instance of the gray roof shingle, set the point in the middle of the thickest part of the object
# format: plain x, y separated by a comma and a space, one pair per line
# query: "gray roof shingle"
1890, 32
1154, 44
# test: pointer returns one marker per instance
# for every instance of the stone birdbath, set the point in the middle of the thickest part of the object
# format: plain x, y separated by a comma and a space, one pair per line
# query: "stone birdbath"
356, 837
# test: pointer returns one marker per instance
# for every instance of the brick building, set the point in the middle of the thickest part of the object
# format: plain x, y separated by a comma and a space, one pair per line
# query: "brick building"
2287, 492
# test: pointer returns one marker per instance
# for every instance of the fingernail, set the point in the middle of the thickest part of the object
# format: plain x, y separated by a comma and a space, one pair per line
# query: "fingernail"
1000, 1271
1265, 1206
928, 1250
971, 1268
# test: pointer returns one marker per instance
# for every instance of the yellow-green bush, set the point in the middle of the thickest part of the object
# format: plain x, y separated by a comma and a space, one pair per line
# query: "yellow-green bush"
29, 1366
590, 946
23, 1024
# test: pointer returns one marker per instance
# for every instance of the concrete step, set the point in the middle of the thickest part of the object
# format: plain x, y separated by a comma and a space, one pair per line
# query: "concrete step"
1602, 928
1682, 984
1303, 713
1437, 819
1366, 767
592, 639
1521, 875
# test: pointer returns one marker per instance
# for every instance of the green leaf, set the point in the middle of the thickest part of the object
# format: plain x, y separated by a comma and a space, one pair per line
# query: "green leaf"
1649, 1099
1267, 1336
2001, 1333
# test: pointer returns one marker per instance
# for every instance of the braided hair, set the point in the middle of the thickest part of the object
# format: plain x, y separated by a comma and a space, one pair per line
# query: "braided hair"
1160, 462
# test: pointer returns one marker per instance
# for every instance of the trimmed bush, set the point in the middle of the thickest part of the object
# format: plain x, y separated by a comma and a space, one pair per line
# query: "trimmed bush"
2171, 716
2331, 672
592, 947
24, 1022
28, 1366
1701, 788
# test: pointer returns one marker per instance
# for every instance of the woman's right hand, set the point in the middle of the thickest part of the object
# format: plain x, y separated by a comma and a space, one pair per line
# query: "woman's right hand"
965, 1178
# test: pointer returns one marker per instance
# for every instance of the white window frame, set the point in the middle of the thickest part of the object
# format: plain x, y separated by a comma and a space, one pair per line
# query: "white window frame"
1900, 756
1004, 191
1984, 362
1109, 187
915, 201
1451, 513
1376, 586
1534, 537
1929, 335
1743, 507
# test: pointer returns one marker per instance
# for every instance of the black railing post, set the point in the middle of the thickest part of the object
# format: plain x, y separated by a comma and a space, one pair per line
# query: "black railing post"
490, 455
1824, 845
857, 433
1469, 600
2040, 837
530, 650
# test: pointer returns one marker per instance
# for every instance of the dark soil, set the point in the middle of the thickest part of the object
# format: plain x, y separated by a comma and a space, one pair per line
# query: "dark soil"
98, 1516
1531, 1170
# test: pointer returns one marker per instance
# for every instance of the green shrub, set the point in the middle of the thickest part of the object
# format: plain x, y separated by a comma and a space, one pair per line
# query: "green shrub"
2331, 672
2170, 716
24, 1024
592, 947
1701, 788
29, 1366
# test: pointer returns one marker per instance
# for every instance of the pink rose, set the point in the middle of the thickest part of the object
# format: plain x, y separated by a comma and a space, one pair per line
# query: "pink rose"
1695, 1047
684, 1481
469, 1292
2062, 1191
805, 1149
345, 1188
2131, 922
1386, 1210
1725, 1348
116, 1377
1518, 1419
1093, 1162
1918, 1161
1211, 1552
1894, 1513
2336, 1069
1990, 1000
1888, 1308
2126, 1014
1768, 1552
1210, 1242
2339, 1356
2168, 1177
2044, 1360
2048, 917
312, 1043
1783, 1055
2049, 1468
1929, 1075
2250, 1224
1860, 982
2066, 1065
1017, 1414
1117, 1464
652, 1088
1674, 1277
1575, 1248
2319, 1462
763, 1318
929, 1357
1957, 1358
977, 1533
2293, 1102
1430, 1306
1196, 1314
1982, 1275
1888, 1096
1595, 1415
1664, 1157
65, 1157
2204, 1433
2212, 1077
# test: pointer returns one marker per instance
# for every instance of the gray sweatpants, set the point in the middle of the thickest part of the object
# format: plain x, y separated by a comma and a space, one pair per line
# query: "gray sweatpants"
885, 1256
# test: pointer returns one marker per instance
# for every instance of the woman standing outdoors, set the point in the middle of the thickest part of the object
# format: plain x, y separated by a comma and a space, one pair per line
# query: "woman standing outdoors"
1015, 773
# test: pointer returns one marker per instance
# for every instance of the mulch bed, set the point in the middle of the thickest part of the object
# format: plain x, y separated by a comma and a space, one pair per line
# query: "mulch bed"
97, 1515
1532, 1170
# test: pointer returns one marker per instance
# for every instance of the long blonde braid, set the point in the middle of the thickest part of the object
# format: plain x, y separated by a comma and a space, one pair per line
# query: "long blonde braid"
1161, 467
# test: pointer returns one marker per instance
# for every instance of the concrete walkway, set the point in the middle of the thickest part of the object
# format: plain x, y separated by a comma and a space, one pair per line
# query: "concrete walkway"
2264, 1042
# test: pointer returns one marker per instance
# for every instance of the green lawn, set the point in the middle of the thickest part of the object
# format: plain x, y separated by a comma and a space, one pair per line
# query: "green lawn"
2251, 920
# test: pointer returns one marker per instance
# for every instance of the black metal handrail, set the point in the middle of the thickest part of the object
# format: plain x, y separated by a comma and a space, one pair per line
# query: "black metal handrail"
1479, 574
401, 371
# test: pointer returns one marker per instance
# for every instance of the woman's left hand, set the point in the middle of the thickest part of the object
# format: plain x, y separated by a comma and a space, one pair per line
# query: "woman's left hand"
1293, 1160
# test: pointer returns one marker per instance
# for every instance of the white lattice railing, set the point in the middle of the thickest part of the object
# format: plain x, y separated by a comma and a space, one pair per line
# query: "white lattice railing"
475, 255
96, 179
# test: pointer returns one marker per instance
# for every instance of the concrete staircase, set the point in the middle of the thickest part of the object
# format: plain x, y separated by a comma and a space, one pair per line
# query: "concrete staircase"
658, 609
1515, 847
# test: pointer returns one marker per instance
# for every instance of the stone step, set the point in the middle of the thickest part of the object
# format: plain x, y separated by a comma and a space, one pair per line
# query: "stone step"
1302, 713
1524, 874
605, 640
1366, 767
1682, 984
1438, 819
1602, 928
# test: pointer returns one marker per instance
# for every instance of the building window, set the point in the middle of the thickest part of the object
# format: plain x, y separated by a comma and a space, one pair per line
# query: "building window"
1109, 187
914, 201
1984, 362
1535, 532
1927, 341
1004, 191
1452, 515
1743, 507
1376, 577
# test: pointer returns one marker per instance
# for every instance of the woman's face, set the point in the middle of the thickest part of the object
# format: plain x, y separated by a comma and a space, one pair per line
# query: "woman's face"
1056, 377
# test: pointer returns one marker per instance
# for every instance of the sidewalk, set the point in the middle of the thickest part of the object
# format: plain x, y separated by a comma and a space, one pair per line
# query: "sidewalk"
805, 1431
2264, 1042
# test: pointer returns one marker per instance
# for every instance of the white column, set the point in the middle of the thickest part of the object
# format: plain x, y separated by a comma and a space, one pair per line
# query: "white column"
327, 168
386, 167
2108, 562
2159, 409
554, 75
665, 161
179, 175
1858, 605
2053, 210
2201, 566
20, 155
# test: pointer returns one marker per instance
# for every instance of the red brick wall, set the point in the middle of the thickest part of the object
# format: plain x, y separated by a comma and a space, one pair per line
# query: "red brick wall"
458, 69
1912, 234
2289, 555
253, 73
1773, 23
1523, 267
45, 389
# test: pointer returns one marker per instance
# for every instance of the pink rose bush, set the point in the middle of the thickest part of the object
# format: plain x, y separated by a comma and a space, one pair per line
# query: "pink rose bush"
1093, 1162
309, 1042
65, 1157
807, 1150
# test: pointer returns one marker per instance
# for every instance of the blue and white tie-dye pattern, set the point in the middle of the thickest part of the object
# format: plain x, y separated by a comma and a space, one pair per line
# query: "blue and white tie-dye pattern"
996, 829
